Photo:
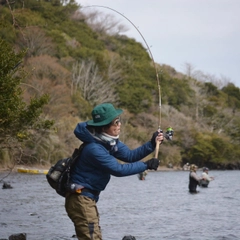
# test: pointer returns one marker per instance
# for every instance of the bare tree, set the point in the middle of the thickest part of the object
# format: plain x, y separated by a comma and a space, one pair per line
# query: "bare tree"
205, 77
36, 41
222, 82
189, 70
100, 22
114, 72
93, 86
199, 97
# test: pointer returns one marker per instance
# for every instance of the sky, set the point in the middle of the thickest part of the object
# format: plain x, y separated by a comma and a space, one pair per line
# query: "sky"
202, 33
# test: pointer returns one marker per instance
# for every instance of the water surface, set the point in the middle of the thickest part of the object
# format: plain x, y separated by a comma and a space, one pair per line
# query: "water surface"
158, 208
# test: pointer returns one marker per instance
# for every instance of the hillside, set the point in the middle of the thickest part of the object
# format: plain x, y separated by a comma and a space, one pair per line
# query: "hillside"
79, 63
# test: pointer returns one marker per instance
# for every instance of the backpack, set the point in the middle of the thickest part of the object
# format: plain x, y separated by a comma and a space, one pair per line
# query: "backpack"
59, 174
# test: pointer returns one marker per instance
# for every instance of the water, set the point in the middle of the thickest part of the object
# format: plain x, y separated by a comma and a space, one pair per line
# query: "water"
158, 208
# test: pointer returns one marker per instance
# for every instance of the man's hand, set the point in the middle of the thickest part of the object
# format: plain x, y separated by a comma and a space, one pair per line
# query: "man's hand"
152, 164
157, 136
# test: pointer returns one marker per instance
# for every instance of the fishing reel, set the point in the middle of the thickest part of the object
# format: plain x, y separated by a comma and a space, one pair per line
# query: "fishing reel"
168, 134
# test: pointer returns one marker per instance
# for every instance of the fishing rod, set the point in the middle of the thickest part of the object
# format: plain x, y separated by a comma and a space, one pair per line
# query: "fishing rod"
169, 133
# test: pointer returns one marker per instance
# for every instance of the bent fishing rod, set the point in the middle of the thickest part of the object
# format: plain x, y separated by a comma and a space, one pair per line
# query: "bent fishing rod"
169, 133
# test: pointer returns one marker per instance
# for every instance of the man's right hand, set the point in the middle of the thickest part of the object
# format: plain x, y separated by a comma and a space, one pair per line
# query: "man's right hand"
152, 164
157, 136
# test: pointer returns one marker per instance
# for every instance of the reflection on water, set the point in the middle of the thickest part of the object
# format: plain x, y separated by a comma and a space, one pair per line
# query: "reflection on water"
158, 208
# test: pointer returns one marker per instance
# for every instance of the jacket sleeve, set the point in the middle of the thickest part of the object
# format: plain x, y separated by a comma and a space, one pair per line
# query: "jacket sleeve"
126, 155
100, 159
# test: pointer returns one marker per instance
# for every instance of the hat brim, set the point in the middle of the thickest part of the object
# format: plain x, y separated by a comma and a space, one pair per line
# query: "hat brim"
105, 122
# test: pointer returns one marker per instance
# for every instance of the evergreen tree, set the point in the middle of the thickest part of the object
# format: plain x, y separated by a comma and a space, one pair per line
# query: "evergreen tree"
18, 119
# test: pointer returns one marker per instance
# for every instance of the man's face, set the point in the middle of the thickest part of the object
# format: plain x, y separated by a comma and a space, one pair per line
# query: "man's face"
114, 129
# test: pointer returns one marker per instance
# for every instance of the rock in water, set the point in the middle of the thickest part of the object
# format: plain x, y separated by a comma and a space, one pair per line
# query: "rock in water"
18, 236
129, 237
6, 186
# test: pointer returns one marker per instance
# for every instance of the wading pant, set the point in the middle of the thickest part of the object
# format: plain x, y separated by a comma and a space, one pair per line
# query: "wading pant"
83, 212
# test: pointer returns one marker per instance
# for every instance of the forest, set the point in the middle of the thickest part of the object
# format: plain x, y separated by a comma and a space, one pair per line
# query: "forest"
57, 62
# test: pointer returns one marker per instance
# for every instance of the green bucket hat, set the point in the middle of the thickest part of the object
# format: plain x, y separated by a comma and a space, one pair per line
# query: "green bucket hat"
103, 114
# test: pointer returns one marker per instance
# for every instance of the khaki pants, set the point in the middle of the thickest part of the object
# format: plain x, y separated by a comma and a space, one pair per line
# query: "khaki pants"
83, 212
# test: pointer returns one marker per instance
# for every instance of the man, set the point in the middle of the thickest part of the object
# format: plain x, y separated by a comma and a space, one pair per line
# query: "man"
206, 178
194, 179
96, 164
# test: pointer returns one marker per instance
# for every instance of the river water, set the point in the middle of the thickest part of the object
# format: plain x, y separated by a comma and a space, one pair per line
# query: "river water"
158, 208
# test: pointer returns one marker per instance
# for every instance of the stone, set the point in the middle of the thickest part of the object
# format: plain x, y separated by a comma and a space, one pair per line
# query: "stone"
129, 237
6, 186
18, 236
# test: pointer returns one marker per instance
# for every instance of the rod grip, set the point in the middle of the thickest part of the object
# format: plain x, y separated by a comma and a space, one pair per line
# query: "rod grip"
157, 149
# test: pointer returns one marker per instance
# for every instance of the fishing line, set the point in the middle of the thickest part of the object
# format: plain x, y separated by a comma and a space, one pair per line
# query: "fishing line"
151, 56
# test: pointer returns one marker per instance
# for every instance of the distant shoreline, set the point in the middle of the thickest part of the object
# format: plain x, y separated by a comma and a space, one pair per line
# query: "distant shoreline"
46, 167
40, 167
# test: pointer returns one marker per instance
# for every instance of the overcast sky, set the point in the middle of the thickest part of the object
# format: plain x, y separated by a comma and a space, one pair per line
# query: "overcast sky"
204, 33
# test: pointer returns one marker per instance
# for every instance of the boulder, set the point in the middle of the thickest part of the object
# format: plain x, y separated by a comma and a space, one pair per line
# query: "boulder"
6, 186
129, 237
18, 236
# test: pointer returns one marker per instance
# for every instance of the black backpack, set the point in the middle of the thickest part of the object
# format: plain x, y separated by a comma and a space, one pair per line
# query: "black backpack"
59, 174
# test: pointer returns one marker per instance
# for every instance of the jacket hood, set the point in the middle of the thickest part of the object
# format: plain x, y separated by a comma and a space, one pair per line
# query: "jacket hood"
82, 133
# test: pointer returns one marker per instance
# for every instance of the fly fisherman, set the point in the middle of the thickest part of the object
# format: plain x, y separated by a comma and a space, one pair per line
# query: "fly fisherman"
98, 161
206, 177
194, 179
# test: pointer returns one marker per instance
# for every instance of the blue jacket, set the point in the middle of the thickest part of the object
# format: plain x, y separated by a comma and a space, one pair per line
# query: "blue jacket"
98, 160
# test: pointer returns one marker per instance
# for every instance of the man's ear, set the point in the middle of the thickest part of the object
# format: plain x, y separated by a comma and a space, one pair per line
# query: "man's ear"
105, 128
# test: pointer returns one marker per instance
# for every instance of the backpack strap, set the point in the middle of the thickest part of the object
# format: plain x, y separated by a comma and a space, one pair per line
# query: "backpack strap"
76, 153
